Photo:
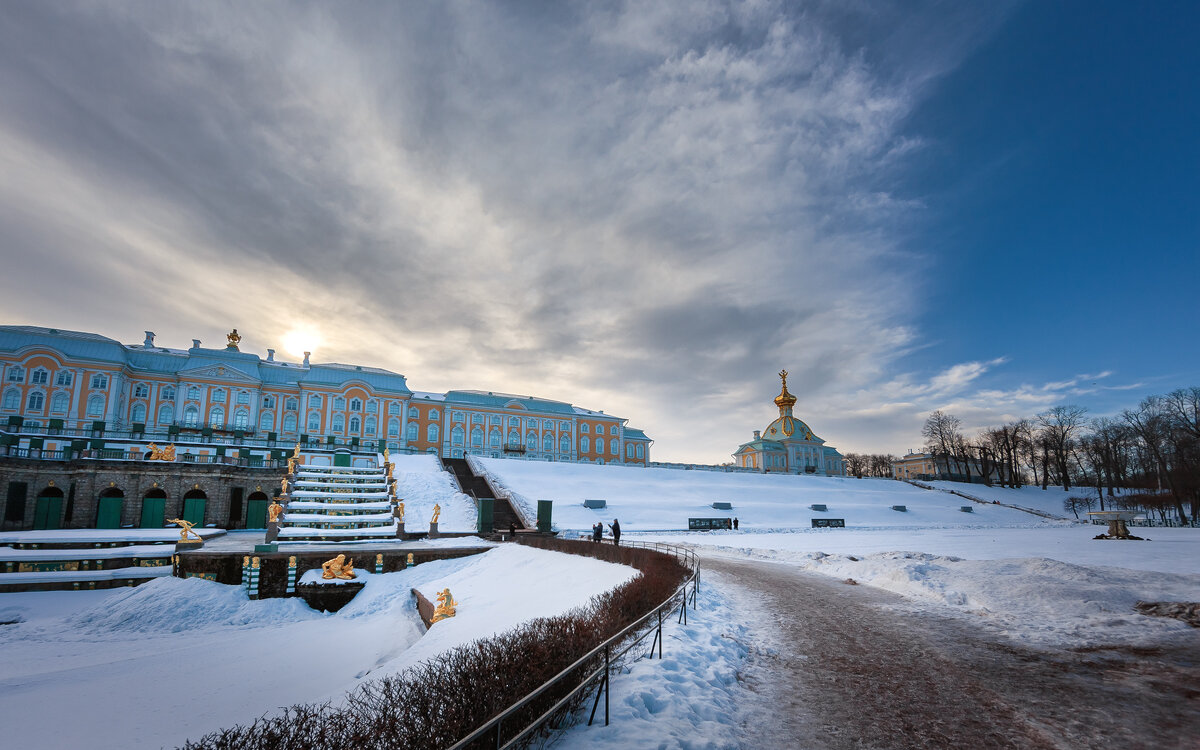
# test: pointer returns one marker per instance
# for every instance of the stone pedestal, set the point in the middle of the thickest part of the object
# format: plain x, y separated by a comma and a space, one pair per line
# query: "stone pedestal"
272, 531
400, 530
328, 597
433, 530
189, 545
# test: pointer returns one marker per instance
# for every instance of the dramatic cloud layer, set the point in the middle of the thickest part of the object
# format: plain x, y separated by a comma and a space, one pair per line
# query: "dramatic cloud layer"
644, 207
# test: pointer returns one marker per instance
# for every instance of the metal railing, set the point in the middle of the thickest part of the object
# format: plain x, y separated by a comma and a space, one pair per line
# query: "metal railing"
610, 650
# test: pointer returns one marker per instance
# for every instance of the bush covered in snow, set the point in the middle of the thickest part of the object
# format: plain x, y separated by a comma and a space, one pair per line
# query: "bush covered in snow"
437, 702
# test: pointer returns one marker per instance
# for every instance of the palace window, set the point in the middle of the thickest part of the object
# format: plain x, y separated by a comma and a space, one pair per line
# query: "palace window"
291, 404
268, 402
339, 423
266, 421
16, 374
584, 427
218, 396
514, 438
411, 435
547, 443
193, 393
458, 416
433, 414
641, 451
413, 413
494, 438
355, 426
585, 444
531, 442
12, 399
241, 419
394, 409
339, 403
165, 414
216, 417
39, 377
138, 413
289, 423
95, 406
65, 377
369, 426
314, 422
394, 427
514, 422
99, 380
372, 407
355, 404
456, 435
599, 445
35, 402
629, 451
243, 397
431, 434
477, 419
141, 390
191, 416
476, 437
314, 401
60, 402
564, 443
168, 393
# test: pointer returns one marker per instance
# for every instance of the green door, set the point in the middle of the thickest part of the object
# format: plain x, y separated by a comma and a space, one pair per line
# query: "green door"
256, 514
47, 513
193, 510
109, 515
341, 459
154, 512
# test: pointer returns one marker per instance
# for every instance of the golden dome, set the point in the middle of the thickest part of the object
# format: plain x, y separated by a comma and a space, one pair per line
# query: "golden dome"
784, 399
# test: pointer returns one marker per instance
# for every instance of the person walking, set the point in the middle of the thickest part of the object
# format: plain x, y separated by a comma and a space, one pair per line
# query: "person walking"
616, 530
735, 523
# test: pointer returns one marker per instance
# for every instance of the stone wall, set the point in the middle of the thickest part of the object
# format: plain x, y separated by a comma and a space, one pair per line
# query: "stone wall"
81, 482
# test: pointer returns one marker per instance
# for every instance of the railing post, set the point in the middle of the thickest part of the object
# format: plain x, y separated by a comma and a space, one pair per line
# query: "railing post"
660, 639
607, 671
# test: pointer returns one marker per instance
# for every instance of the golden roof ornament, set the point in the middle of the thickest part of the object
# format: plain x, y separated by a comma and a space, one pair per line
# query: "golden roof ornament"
234, 340
784, 400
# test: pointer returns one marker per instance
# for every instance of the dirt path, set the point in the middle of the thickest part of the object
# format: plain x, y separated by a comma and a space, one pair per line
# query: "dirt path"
833, 669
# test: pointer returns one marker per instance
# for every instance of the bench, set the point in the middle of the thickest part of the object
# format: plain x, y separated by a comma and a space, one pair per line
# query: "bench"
829, 523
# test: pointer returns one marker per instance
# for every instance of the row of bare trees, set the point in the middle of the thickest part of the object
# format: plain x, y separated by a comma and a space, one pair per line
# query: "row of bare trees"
1154, 448
869, 464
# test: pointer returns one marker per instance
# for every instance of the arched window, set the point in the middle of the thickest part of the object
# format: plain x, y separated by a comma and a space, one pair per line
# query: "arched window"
193, 393
355, 404
39, 377
218, 396
266, 421
547, 443
641, 450
476, 419
314, 422
456, 435
629, 450
372, 407
355, 425
95, 406
289, 423
584, 427
494, 438
514, 422
191, 416
411, 435
100, 380
476, 437
60, 402
514, 437
138, 413
339, 423
369, 426
531, 442
339, 403
584, 444
433, 414
64, 377
599, 445
35, 402
168, 393
564, 444
216, 417
394, 427
314, 400
166, 413
16, 374
394, 409
241, 419
12, 399
413, 413
431, 434
141, 390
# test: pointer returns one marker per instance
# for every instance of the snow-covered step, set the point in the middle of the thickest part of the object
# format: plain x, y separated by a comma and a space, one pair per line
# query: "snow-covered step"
312, 518
383, 532
338, 469
311, 505
343, 485
331, 493
66, 579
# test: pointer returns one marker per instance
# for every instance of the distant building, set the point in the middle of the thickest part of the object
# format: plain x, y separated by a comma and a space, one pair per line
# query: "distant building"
930, 466
788, 445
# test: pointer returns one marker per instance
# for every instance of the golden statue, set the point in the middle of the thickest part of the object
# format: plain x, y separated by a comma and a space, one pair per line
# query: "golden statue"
185, 528
283, 485
161, 454
387, 455
234, 339
274, 510
437, 511
296, 453
338, 567
291, 465
446, 606
389, 471
399, 512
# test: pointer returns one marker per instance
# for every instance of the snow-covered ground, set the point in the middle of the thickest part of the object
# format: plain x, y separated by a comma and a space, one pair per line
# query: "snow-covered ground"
175, 658
1049, 500
420, 483
664, 499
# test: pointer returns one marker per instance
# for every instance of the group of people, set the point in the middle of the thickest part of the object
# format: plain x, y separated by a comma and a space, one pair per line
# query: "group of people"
598, 531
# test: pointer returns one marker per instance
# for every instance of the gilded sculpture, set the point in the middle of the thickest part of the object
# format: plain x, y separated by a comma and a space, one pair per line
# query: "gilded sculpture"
234, 339
296, 453
338, 567
446, 606
283, 485
291, 465
274, 510
437, 511
399, 512
185, 528
161, 454
387, 455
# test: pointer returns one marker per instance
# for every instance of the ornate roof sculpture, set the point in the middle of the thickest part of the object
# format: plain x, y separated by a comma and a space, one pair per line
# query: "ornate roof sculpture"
788, 437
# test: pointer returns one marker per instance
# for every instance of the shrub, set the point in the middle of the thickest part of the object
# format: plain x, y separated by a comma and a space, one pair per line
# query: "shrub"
435, 704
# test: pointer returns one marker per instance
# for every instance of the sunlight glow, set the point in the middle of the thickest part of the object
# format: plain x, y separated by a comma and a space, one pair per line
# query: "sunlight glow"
300, 340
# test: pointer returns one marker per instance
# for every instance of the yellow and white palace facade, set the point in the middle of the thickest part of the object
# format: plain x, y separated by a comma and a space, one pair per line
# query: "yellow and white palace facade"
788, 445
66, 390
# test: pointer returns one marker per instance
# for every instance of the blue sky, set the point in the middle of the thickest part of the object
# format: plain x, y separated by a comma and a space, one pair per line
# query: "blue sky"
647, 208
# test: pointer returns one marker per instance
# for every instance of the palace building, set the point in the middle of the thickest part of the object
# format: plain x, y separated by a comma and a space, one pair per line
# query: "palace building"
68, 392
788, 445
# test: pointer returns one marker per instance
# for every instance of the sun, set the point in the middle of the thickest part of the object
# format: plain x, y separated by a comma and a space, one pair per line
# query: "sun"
300, 340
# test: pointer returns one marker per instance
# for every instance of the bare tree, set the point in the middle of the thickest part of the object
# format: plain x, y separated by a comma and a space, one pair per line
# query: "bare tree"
1059, 428
943, 436
1152, 423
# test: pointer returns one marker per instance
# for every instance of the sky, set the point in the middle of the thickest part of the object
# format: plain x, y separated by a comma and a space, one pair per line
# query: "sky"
646, 208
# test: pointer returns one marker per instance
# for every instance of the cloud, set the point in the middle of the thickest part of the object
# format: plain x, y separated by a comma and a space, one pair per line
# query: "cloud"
648, 208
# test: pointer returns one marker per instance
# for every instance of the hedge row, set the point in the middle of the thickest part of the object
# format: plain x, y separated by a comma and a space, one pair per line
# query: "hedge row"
435, 704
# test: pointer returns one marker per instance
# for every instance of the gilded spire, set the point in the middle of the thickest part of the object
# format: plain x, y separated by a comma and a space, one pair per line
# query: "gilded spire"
785, 401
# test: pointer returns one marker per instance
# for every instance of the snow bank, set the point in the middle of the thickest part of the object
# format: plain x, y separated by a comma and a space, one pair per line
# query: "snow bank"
421, 483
